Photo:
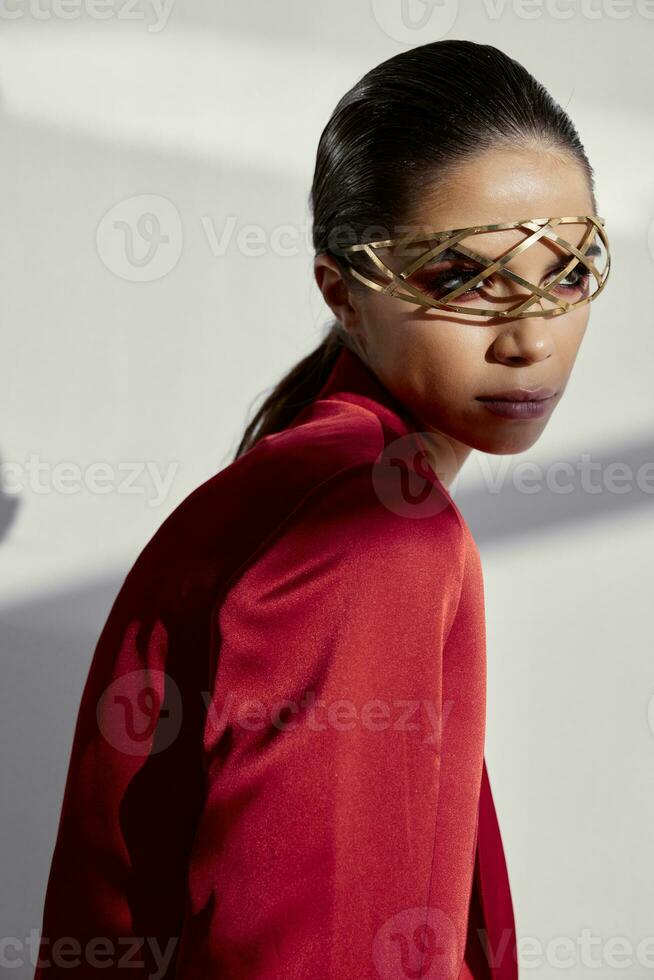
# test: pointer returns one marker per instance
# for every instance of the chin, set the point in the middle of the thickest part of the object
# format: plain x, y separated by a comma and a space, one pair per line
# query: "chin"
507, 443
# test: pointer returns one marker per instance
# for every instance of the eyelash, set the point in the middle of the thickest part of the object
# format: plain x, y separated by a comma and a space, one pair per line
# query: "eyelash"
436, 285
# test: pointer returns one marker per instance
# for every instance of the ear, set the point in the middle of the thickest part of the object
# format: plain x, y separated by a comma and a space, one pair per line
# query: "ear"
335, 291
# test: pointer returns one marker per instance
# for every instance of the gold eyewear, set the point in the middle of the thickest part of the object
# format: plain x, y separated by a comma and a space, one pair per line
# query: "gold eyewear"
412, 283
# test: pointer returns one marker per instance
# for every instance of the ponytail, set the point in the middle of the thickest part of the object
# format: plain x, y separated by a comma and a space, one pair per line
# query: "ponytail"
296, 389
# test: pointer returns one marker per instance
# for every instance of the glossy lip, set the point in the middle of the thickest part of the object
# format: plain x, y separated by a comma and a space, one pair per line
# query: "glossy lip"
519, 395
520, 403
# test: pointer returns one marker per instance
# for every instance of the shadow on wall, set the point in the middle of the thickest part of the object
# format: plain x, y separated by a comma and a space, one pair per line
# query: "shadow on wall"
9, 507
48, 643
512, 512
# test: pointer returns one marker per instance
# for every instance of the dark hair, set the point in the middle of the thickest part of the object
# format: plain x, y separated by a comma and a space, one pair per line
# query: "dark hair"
390, 140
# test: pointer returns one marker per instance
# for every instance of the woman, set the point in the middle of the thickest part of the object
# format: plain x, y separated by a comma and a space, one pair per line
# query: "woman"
278, 767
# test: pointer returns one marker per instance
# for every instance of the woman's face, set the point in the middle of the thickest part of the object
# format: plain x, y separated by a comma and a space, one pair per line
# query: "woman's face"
439, 365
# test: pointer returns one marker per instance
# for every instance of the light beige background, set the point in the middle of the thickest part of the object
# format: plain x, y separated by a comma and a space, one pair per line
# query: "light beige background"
217, 109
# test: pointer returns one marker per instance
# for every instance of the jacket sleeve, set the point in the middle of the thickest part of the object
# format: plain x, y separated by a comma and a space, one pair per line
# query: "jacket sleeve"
134, 789
285, 825
316, 854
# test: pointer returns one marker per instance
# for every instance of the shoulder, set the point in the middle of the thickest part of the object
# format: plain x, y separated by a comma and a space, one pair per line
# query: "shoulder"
321, 483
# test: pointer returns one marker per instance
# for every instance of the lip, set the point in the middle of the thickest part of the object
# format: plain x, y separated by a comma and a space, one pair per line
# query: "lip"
520, 403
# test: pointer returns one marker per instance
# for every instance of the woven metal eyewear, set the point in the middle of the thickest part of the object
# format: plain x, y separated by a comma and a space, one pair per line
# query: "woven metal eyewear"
448, 243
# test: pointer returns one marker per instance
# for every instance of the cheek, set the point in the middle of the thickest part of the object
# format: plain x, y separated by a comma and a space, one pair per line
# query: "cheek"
427, 359
569, 335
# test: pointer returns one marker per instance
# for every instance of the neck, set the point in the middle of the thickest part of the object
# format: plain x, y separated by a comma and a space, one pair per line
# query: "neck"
446, 455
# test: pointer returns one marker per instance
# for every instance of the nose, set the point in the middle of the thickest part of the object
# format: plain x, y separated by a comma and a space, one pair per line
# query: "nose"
524, 341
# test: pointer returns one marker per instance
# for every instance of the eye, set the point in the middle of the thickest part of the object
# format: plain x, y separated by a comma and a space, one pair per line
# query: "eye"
576, 279
439, 284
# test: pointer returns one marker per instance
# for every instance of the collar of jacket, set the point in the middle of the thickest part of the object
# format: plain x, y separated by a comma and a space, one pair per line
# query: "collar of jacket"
351, 380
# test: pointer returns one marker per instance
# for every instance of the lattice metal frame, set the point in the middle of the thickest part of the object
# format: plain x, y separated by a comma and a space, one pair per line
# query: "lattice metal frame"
451, 239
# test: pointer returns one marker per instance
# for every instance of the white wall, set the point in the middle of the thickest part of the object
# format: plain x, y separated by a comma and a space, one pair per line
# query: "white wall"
218, 110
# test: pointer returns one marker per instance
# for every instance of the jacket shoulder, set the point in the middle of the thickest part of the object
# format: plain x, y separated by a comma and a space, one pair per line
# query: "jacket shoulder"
322, 471
272, 478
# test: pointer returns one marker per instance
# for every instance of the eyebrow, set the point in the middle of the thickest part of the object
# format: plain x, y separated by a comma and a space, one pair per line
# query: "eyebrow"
450, 254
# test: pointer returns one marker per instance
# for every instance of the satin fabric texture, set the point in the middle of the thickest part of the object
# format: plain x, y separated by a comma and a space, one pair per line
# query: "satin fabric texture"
277, 770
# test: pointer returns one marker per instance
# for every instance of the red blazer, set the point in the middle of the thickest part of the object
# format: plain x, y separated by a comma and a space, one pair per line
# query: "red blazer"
278, 765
